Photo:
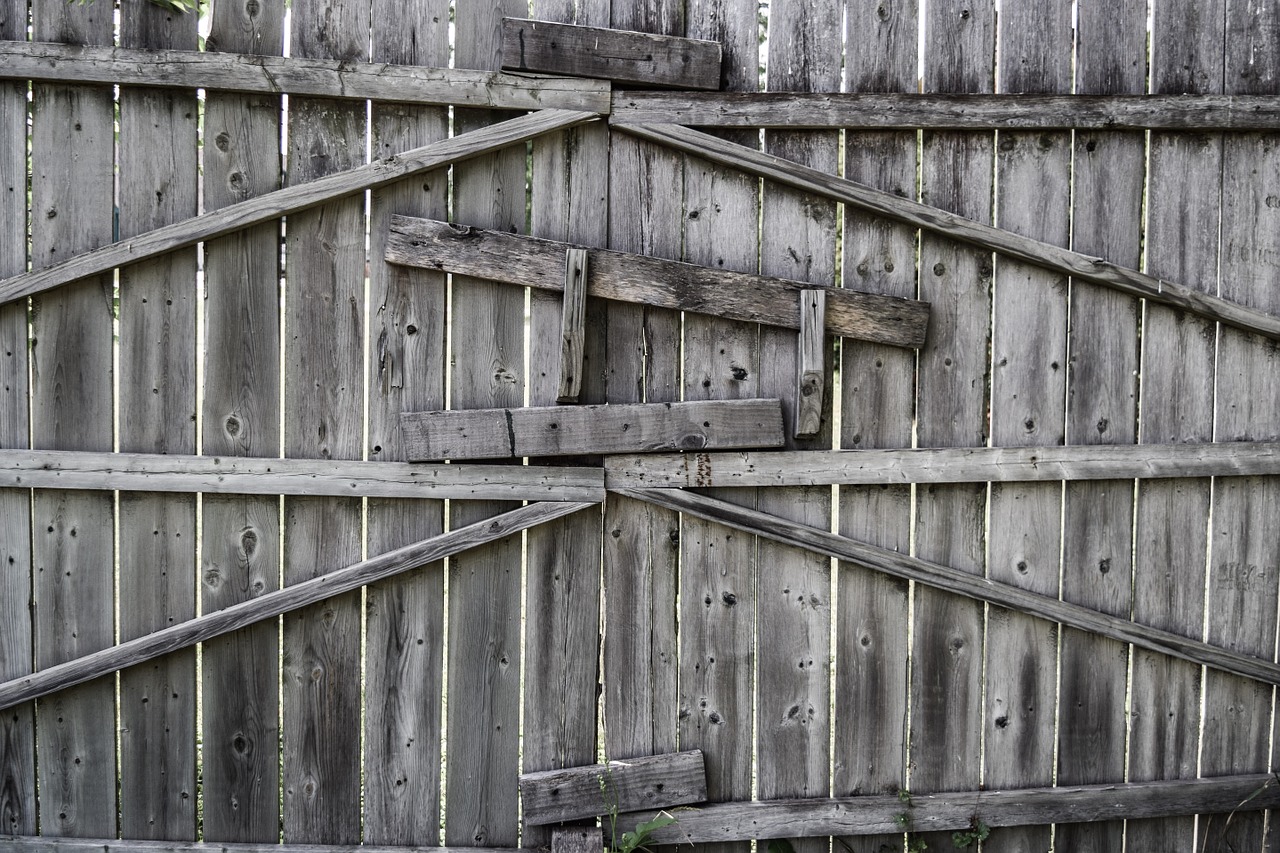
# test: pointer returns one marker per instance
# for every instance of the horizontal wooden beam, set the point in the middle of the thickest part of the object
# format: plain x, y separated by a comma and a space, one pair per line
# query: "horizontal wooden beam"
649, 782
593, 430
956, 581
272, 604
618, 55
945, 465
1064, 261
234, 72
876, 814
281, 202
143, 472
831, 110
623, 277
52, 844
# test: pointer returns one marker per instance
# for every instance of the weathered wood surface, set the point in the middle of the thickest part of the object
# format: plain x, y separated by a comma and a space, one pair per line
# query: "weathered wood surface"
573, 337
620, 56
636, 784
863, 110
53, 272
576, 839
942, 465
573, 430
72, 409
961, 583
965, 229
650, 281
240, 557
287, 599
811, 370
229, 71
157, 173
995, 808
1097, 565
404, 616
41, 844
17, 727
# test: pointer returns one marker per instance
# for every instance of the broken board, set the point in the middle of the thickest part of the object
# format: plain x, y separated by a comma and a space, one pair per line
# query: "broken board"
650, 782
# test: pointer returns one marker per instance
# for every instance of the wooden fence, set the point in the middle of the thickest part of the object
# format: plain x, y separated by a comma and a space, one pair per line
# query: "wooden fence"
1018, 577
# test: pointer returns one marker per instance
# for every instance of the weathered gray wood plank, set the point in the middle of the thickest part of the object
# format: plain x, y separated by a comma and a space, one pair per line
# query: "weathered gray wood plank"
17, 727
572, 332
573, 430
404, 616
994, 807
54, 271
959, 582
233, 71
157, 542
71, 408
288, 599
1108, 172
621, 56
579, 839
941, 465
232, 475
811, 371
636, 784
705, 289
241, 555
965, 229
16, 844
865, 108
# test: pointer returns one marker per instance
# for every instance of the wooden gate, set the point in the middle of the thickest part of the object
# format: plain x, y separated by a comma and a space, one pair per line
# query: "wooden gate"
1013, 582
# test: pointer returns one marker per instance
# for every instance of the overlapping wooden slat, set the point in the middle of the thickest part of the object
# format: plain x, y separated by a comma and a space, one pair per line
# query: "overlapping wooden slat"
636, 784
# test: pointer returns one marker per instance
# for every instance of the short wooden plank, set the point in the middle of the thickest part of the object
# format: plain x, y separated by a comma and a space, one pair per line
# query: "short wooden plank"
650, 281
230, 71
811, 378
244, 475
962, 583
576, 839
943, 465
621, 56
634, 784
863, 110
964, 229
276, 602
995, 808
559, 431
304, 196
572, 332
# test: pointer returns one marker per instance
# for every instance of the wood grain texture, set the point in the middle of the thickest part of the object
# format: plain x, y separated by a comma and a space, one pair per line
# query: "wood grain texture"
636, 784
292, 199
404, 616
17, 727
620, 56
11, 844
928, 216
285, 600
811, 378
572, 331
708, 288
866, 107
260, 73
72, 408
1102, 385
240, 559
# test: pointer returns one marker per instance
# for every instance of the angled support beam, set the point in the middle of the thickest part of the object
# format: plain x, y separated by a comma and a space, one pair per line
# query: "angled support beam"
573, 331
279, 601
322, 78
956, 581
811, 365
290, 200
1080, 266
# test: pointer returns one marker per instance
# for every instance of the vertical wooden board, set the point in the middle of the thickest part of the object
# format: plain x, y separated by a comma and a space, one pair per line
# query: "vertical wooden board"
1108, 172
1244, 572
323, 398
1184, 192
240, 556
157, 174
946, 701
404, 659
877, 411
570, 190
487, 320
642, 542
17, 725
1029, 352
71, 200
